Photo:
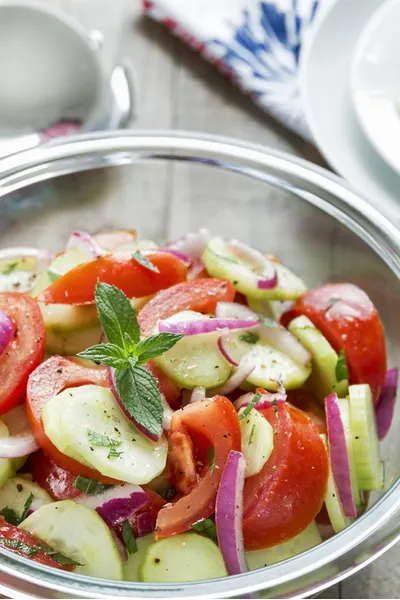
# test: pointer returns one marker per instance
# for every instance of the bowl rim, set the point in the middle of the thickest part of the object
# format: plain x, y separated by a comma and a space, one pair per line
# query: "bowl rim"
308, 181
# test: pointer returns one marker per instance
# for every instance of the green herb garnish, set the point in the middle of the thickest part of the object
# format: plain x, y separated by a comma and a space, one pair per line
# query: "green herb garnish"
252, 432
91, 487
129, 538
267, 321
10, 515
168, 494
9, 268
249, 337
53, 275
125, 352
98, 439
19, 546
341, 370
211, 458
59, 558
144, 261
27, 506
206, 526
246, 411
113, 453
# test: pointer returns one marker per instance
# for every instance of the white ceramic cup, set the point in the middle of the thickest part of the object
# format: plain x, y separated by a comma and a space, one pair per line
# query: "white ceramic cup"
50, 69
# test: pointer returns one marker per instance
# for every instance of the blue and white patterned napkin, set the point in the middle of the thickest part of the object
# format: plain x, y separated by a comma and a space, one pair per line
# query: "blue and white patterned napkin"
256, 43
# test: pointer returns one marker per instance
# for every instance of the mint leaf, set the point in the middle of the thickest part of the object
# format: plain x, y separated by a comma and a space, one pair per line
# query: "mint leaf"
59, 558
249, 337
9, 268
341, 370
145, 262
211, 458
155, 345
98, 439
10, 515
116, 315
128, 537
250, 406
27, 506
206, 526
140, 396
24, 549
113, 453
91, 487
107, 354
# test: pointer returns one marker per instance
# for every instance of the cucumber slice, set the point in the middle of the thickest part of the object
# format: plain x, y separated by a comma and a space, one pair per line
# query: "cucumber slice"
61, 265
334, 507
344, 408
132, 566
257, 441
8, 466
184, 557
310, 537
323, 376
221, 261
61, 318
73, 342
272, 309
17, 491
369, 466
195, 360
270, 365
79, 533
69, 417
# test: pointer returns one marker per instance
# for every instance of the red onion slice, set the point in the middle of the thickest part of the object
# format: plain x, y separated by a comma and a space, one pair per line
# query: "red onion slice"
229, 514
196, 267
386, 403
182, 257
21, 441
198, 393
225, 352
267, 278
117, 503
281, 339
234, 310
267, 400
244, 370
206, 325
6, 330
144, 524
339, 456
82, 240
192, 244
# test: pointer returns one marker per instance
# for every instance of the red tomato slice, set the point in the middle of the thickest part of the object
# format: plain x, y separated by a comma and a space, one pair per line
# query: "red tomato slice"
57, 482
181, 462
287, 494
348, 319
24, 352
305, 400
120, 269
201, 295
11, 532
210, 423
51, 378
115, 239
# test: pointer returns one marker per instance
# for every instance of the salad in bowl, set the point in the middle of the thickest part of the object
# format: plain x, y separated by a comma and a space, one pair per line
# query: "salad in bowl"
182, 413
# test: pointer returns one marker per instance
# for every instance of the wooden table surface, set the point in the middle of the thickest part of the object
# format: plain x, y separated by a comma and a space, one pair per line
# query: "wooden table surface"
176, 89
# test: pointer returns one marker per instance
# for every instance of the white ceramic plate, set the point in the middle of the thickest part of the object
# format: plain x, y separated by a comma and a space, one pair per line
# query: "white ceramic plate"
375, 81
325, 89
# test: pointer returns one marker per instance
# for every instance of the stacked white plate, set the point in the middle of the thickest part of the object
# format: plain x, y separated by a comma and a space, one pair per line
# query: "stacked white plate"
350, 85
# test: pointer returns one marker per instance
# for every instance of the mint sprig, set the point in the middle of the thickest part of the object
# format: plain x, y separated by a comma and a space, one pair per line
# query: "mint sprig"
126, 353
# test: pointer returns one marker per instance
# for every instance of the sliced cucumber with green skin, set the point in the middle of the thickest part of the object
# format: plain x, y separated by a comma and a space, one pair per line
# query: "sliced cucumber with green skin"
71, 343
184, 557
16, 492
195, 360
8, 466
344, 408
61, 265
78, 533
334, 507
71, 416
62, 318
221, 260
323, 376
369, 465
132, 566
271, 367
257, 441
310, 537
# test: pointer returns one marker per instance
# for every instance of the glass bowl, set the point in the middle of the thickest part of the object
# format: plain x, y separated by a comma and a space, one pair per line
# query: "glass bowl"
165, 184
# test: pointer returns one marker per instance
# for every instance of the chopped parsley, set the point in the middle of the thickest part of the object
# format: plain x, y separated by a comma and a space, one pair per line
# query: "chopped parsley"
249, 337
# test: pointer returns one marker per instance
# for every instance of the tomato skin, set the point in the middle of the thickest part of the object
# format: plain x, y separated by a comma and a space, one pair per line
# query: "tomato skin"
212, 422
304, 400
24, 352
348, 319
281, 500
50, 378
181, 462
58, 482
200, 295
11, 532
120, 269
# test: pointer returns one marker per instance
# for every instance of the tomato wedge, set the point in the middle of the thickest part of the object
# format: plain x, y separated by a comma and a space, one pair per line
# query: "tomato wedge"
287, 494
348, 319
305, 400
181, 462
29, 546
58, 482
201, 295
212, 423
120, 269
24, 352
51, 378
